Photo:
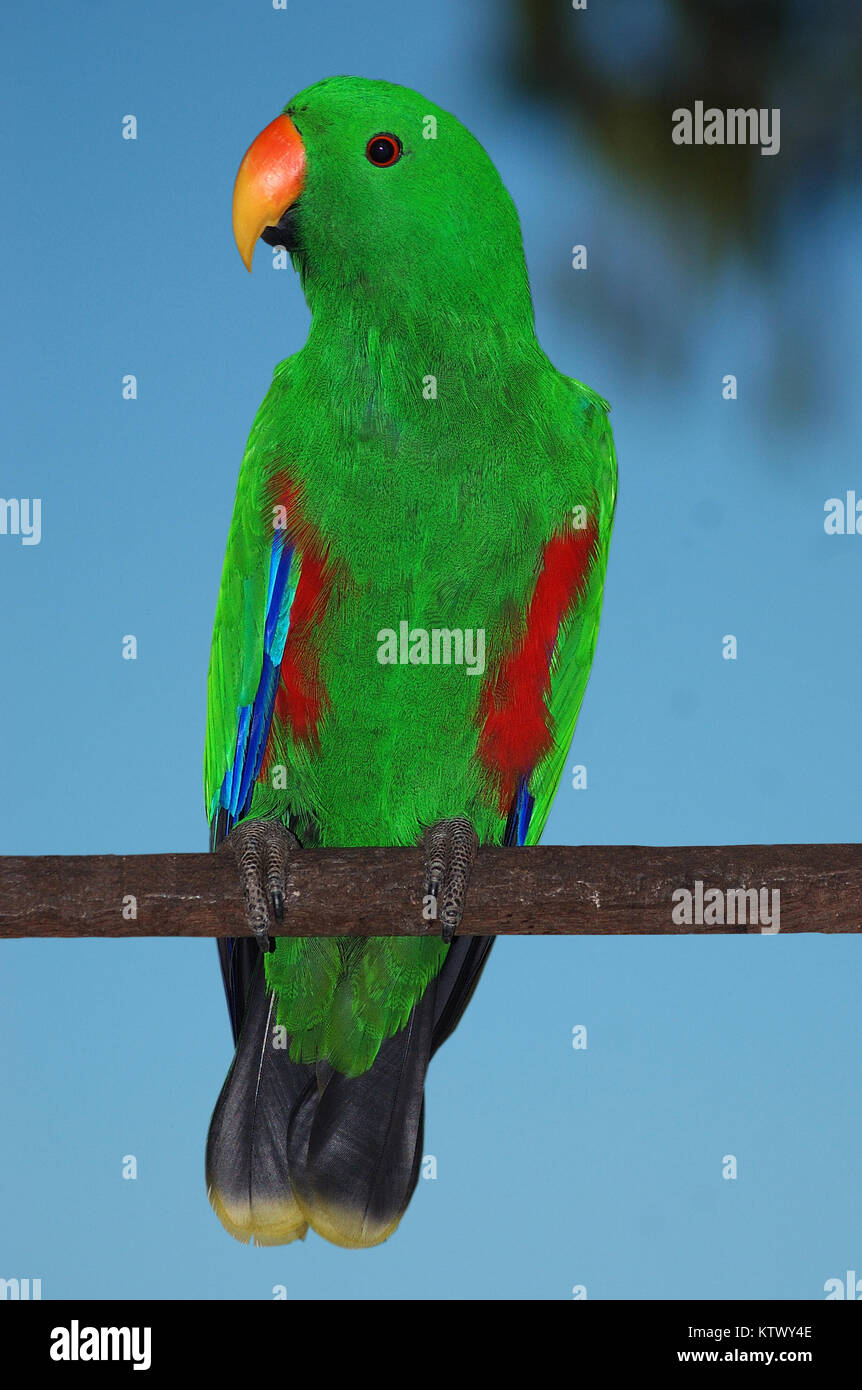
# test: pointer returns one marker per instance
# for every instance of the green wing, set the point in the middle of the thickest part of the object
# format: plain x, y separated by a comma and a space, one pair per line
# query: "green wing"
576, 641
259, 580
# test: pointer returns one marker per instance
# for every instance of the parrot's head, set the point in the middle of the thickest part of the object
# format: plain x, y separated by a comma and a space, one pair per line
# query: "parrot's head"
382, 197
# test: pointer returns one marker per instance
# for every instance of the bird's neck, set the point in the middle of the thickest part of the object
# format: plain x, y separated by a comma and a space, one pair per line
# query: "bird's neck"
378, 346
445, 303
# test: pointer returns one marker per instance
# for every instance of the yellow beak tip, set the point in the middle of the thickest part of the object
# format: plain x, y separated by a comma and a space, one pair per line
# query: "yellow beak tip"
269, 181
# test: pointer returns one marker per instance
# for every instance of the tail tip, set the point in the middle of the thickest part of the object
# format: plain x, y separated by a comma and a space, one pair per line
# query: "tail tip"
268, 1223
348, 1228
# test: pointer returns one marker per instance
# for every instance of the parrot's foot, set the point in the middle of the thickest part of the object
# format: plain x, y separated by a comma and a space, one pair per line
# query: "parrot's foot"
450, 853
262, 849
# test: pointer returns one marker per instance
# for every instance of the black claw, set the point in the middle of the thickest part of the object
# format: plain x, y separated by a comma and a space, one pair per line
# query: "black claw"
266, 943
447, 933
278, 905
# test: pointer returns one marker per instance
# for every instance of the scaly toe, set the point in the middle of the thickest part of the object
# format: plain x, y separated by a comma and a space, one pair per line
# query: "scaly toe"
262, 849
450, 849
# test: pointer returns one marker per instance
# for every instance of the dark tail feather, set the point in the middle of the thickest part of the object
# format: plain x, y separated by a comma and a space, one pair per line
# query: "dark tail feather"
248, 1182
354, 1151
239, 959
355, 1143
292, 1145
464, 963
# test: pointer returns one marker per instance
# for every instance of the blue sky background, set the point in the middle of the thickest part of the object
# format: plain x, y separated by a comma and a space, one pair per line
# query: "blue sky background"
555, 1167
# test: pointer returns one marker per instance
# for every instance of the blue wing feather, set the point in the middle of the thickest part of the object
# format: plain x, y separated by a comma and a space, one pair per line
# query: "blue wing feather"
254, 720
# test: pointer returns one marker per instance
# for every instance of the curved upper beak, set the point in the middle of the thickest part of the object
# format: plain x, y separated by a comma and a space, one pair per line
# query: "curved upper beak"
269, 181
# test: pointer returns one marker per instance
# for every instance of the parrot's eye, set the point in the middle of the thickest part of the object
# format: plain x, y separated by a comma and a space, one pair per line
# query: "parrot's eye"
383, 150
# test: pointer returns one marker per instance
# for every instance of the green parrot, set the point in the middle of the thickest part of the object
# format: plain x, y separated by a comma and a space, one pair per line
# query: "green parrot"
407, 617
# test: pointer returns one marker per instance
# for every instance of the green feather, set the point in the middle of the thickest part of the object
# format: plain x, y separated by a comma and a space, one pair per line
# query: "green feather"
437, 451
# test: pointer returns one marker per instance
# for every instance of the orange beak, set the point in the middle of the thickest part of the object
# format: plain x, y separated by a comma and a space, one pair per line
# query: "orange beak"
269, 181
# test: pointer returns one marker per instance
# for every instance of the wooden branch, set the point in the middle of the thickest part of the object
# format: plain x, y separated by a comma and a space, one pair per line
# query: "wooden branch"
548, 890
